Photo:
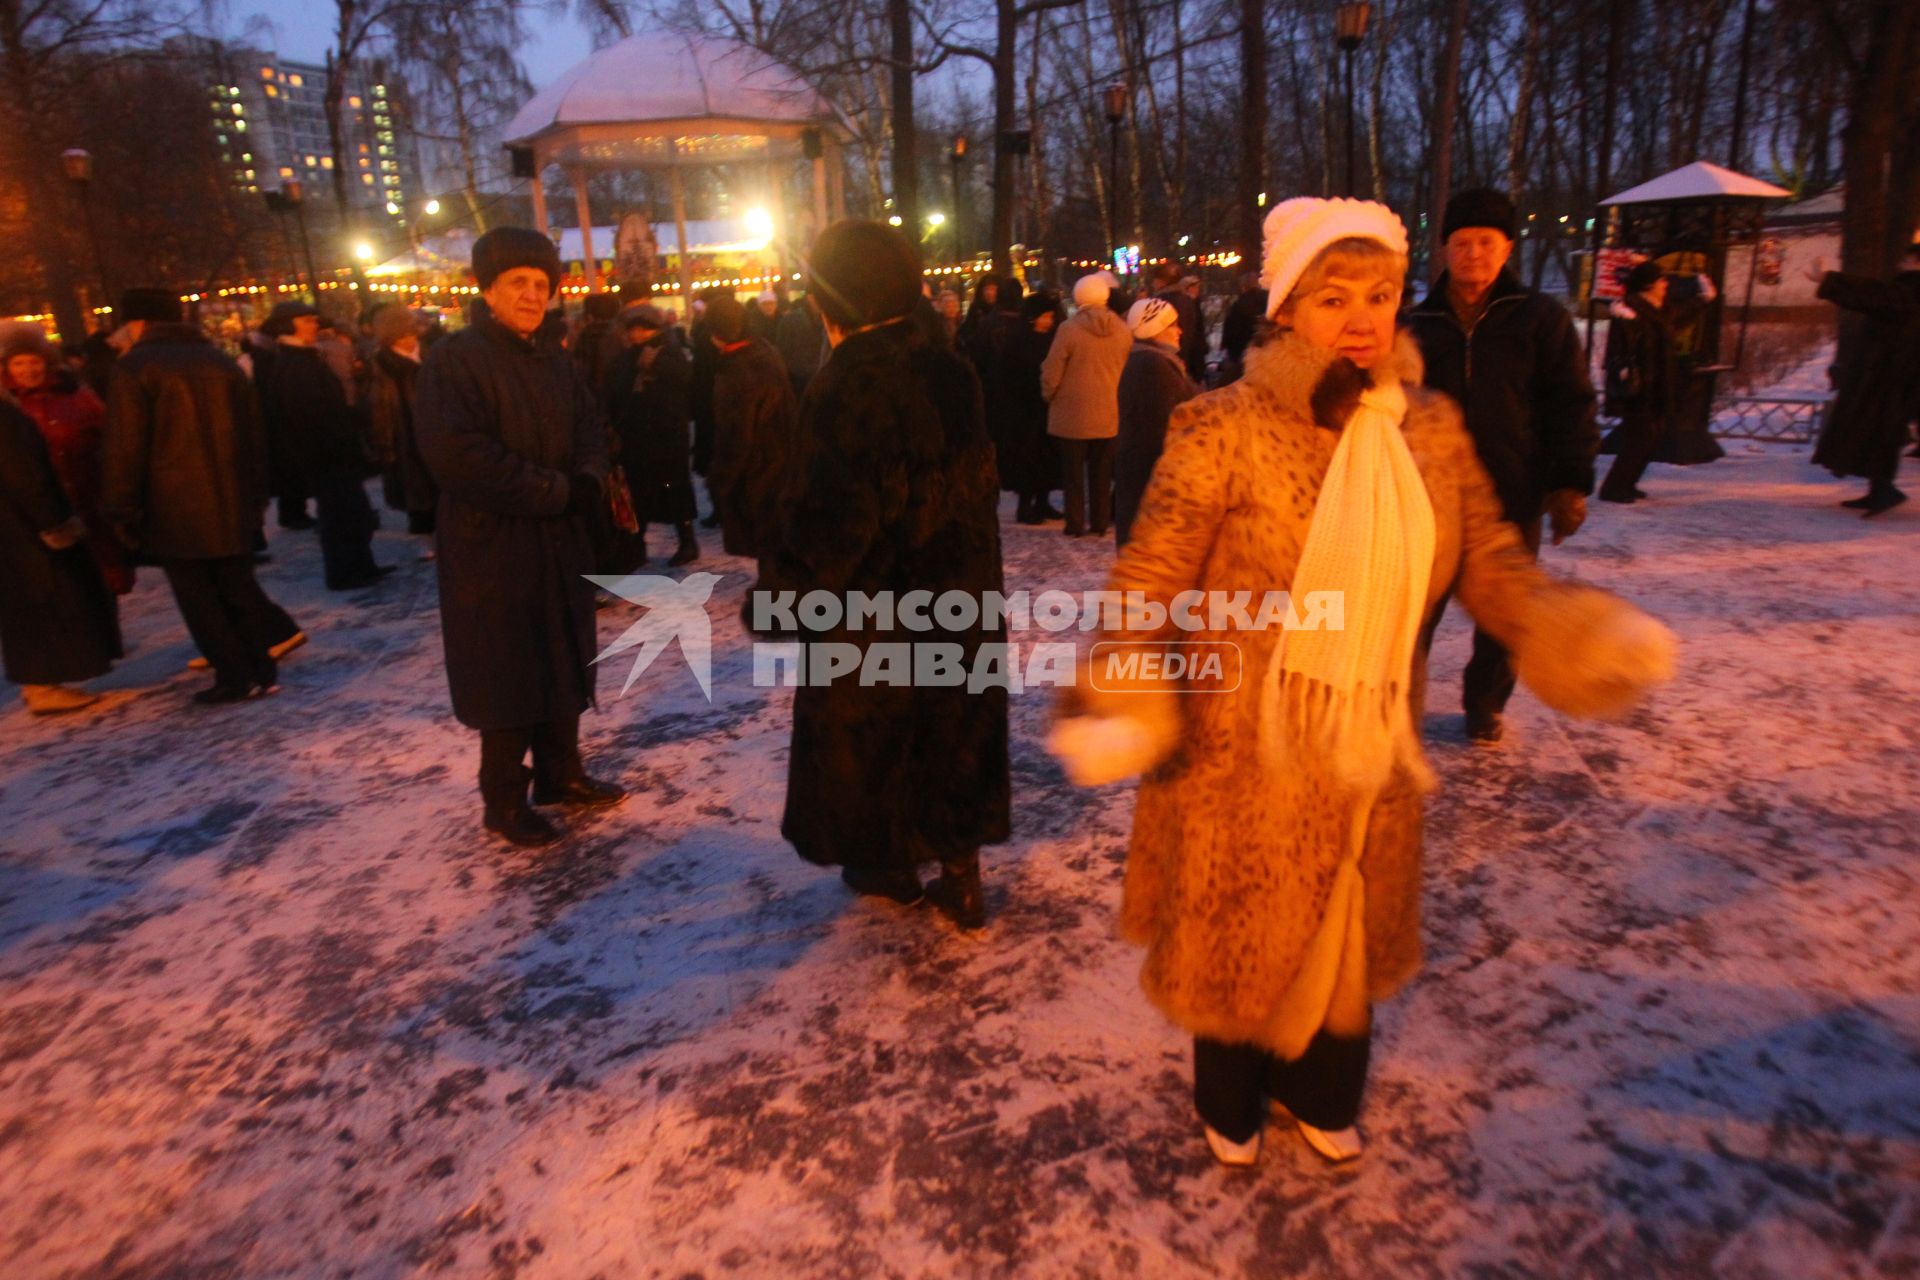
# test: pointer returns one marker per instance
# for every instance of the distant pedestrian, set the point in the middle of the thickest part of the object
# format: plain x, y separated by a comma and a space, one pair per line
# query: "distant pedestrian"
185, 486
391, 375
803, 343
1509, 357
754, 418
325, 437
1878, 393
1646, 386
1081, 382
649, 400
516, 443
1152, 385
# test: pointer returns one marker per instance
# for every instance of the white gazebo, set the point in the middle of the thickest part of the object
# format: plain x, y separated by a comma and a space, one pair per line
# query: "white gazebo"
670, 102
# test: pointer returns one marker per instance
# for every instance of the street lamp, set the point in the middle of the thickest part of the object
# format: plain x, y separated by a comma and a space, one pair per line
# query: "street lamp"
1114, 100
1349, 29
959, 209
77, 164
294, 192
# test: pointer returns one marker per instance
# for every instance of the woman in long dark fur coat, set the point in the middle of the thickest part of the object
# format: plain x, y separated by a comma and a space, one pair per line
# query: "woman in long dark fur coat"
892, 489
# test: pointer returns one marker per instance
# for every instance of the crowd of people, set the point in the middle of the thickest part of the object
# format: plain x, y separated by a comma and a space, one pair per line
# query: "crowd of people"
860, 441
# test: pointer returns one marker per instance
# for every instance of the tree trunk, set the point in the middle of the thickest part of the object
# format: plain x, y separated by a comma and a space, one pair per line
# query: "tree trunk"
1883, 93
1443, 127
1006, 50
1523, 105
906, 171
1253, 124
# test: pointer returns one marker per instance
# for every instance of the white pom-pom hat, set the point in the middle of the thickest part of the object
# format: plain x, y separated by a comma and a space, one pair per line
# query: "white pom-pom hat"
1298, 229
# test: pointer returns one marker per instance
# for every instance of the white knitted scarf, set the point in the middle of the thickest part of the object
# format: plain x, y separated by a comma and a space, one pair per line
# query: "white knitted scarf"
1341, 696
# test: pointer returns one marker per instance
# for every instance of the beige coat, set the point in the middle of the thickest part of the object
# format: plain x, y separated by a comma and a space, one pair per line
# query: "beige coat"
1232, 864
1080, 377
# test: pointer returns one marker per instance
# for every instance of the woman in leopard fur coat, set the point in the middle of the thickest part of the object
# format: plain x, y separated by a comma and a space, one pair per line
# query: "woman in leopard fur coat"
1273, 873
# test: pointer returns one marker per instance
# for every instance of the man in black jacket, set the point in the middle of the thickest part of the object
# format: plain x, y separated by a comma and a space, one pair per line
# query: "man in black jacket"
186, 484
517, 446
1511, 359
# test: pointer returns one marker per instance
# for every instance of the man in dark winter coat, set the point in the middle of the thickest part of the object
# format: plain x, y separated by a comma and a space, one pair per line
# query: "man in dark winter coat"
892, 489
1244, 318
1512, 361
57, 618
518, 448
186, 484
321, 431
1878, 394
754, 412
1170, 286
649, 399
1152, 385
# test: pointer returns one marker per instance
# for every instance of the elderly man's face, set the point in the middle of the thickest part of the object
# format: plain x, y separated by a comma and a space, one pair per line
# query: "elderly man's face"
518, 299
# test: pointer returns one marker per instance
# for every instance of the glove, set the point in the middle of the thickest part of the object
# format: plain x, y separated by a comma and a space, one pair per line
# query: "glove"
1566, 512
583, 494
1097, 750
64, 535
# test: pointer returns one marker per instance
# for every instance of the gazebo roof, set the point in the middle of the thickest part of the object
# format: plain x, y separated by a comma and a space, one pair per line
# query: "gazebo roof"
661, 99
1700, 181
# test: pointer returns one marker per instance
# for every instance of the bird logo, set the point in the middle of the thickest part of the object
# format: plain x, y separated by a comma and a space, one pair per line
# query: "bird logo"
674, 611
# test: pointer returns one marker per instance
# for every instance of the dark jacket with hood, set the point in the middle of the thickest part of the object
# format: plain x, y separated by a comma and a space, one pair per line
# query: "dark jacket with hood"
1520, 377
504, 425
186, 460
1152, 385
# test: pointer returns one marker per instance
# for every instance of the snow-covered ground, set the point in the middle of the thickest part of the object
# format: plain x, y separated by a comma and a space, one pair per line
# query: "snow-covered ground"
272, 1005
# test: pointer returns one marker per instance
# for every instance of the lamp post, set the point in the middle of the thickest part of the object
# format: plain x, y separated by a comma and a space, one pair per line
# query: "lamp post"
959, 209
77, 164
1350, 28
294, 192
1114, 100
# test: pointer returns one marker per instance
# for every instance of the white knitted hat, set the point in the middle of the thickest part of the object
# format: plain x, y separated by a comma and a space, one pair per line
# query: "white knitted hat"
1298, 229
1150, 317
1092, 290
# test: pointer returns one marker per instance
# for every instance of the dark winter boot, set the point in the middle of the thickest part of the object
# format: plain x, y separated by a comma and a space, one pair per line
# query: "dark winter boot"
956, 894
519, 824
1884, 500
900, 885
581, 792
689, 549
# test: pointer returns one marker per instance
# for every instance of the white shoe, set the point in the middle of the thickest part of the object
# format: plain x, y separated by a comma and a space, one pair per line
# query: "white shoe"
1234, 1154
1337, 1145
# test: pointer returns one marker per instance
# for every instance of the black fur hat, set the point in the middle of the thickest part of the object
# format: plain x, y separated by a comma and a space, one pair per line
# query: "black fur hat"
159, 306
1479, 207
504, 248
863, 273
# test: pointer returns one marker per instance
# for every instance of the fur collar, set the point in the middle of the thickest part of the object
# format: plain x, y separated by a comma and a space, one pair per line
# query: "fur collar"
1319, 386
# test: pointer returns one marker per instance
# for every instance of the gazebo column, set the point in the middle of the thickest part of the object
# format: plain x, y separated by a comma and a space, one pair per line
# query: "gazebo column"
836, 182
539, 194
589, 266
820, 192
678, 186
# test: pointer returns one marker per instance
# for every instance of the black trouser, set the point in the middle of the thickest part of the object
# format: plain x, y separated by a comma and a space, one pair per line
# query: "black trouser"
421, 521
293, 510
1489, 677
1088, 476
1232, 1083
503, 752
229, 617
1640, 433
347, 522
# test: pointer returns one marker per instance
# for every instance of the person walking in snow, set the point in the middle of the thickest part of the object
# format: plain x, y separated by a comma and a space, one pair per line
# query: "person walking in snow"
1509, 357
649, 399
1081, 383
1645, 382
1153, 384
1273, 872
1878, 394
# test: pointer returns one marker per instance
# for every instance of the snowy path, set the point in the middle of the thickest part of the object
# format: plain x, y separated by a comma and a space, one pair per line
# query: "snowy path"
271, 1006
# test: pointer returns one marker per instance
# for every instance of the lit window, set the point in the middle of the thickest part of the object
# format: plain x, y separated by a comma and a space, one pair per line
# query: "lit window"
240, 125
367, 178
238, 110
354, 101
233, 91
247, 157
220, 138
365, 163
285, 172
295, 81
326, 162
266, 73
386, 151
311, 162
363, 148
379, 91
272, 92
249, 175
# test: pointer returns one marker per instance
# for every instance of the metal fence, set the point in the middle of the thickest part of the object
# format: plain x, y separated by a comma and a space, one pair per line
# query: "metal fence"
1791, 419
